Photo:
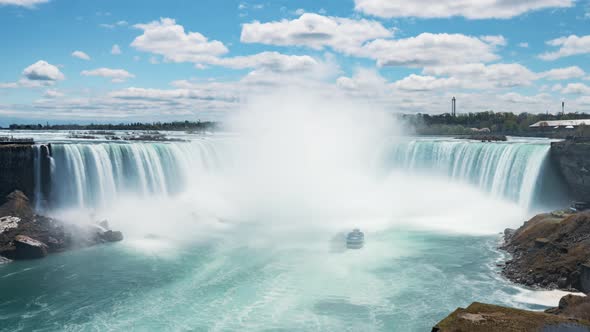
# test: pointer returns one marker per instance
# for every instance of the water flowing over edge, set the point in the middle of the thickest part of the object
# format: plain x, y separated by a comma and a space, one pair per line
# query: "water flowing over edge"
92, 175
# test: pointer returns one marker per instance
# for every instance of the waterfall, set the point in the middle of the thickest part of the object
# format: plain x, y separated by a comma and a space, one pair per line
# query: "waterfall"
505, 169
94, 174
91, 175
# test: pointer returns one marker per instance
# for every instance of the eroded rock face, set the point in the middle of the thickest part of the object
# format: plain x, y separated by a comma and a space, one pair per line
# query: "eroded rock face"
16, 169
573, 161
29, 248
550, 251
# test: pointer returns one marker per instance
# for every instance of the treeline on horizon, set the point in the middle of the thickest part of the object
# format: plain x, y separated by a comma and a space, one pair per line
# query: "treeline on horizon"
154, 126
506, 123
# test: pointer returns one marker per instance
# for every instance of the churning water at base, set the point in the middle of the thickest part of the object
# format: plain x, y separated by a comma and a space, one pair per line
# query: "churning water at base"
216, 241
402, 281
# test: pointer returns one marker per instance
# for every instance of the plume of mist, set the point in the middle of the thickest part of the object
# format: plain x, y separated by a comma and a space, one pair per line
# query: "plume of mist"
302, 161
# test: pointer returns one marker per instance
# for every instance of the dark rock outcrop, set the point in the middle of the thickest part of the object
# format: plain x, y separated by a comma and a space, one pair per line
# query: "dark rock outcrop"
480, 317
573, 160
28, 248
17, 169
25, 235
112, 236
551, 251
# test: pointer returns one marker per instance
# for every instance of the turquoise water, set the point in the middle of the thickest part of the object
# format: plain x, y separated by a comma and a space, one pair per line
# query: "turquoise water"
247, 235
402, 281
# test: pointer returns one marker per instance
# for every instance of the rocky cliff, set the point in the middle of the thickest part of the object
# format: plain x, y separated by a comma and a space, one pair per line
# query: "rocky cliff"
17, 170
551, 250
573, 160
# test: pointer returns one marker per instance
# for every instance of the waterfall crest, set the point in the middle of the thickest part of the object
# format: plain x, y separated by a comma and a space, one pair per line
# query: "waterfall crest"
92, 175
509, 170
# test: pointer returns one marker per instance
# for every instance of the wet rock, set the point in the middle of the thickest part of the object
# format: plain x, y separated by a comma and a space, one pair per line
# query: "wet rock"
508, 233
4, 260
25, 235
112, 236
28, 248
549, 251
8, 223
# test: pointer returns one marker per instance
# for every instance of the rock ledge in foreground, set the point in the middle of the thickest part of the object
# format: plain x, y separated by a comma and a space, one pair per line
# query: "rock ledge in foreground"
480, 317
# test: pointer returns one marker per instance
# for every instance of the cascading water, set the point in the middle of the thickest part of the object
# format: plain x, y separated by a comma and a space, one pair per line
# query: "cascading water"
505, 169
92, 175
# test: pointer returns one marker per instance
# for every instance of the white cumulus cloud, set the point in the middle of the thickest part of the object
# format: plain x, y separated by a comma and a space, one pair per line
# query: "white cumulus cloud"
43, 71
568, 46
22, 3
480, 76
316, 32
471, 9
563, 73
80, 55
576, 89
428, 49
426, 83
168, 39
116, 75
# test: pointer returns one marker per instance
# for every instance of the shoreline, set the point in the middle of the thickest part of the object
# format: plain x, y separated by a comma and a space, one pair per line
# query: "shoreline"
528, 264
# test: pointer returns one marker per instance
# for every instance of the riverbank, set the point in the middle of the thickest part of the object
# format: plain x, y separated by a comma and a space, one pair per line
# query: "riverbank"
550, 251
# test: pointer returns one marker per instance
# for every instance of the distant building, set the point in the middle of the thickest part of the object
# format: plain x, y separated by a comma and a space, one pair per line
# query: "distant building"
560, 124
454, 107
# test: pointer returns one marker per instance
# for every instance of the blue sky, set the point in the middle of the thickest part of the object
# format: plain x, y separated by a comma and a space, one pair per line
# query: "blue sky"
104, 61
